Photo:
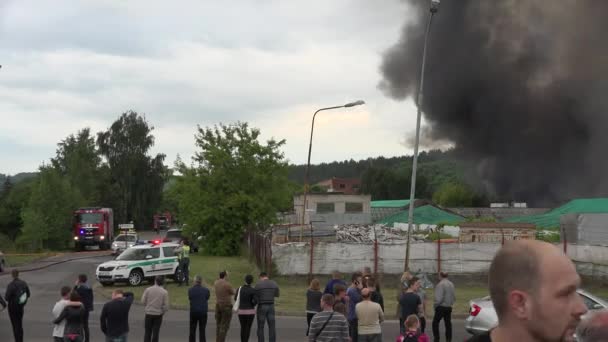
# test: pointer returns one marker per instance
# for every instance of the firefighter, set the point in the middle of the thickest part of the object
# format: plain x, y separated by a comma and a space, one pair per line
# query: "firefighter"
183, 255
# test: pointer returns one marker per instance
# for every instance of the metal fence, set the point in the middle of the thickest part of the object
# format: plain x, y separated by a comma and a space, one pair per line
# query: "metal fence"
260, 249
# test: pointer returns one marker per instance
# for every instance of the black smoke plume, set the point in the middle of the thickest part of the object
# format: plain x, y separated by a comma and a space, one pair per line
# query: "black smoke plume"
520, 87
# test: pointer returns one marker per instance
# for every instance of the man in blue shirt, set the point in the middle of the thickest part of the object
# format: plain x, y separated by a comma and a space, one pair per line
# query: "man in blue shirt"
199, 298
354, 297
330, 288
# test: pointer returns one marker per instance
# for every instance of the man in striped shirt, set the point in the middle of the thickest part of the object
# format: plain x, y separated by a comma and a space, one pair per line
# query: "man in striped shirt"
327, 325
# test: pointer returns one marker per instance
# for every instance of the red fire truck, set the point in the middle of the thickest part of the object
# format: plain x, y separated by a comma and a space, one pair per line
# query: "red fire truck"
93, 227
162, 221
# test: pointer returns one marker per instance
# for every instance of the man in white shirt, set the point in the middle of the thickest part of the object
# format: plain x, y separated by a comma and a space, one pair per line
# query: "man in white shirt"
57, 309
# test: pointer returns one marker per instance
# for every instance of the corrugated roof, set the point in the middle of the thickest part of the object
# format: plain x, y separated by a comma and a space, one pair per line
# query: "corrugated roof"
426, 214
390, 204
577, 206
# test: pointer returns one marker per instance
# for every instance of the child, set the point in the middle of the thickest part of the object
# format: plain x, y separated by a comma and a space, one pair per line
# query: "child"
412, 324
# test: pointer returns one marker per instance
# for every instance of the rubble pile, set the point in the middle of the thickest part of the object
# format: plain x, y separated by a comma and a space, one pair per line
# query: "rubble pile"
365, 233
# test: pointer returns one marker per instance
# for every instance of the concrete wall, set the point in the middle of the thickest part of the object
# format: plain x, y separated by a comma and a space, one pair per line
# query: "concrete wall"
456, 258
294, 258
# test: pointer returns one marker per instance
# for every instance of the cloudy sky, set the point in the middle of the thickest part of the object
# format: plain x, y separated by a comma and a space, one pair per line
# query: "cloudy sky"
73, 64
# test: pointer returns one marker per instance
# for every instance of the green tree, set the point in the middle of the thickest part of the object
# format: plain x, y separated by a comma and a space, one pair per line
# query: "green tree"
11, 206
78, 160
453, 195
236, 183
48, 216
136, 178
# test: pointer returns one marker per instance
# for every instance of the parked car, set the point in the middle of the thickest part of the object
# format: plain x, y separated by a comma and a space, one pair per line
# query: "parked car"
175, 235
124, 241
2, 263
139, 263
482, 316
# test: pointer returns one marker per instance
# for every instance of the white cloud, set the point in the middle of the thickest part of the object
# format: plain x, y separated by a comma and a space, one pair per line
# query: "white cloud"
71, 65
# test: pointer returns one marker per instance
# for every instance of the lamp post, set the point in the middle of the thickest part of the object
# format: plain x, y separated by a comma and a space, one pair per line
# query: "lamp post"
348, 105
410, 220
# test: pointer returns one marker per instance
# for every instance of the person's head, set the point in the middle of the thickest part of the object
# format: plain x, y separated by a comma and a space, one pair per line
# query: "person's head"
412, 323
414, 284
340, 307
74, 296
357, 279
366, 294
198, 280
340, 291
82, 278
118, 293
15, 273
263, 275
327, 301
594, 327
369, 283
443, 275
248, 279
223, 275
406, 276
336, 275
533, 288
315, 285
65, 292
159, 280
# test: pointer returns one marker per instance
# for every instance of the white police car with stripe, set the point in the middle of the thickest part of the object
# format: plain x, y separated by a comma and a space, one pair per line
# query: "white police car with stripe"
139, 263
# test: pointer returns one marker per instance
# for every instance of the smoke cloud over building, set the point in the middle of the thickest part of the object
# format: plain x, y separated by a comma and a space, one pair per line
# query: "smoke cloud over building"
520, 87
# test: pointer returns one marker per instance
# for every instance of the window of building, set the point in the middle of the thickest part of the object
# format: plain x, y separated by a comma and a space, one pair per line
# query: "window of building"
326, 208
354, 207
342, 186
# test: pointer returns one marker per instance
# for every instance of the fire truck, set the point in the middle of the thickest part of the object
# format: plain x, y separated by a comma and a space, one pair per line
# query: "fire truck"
93, 227
162, 221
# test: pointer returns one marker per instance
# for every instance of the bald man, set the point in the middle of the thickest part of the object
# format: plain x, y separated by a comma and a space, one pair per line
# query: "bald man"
594, 327
369, 317
533, 287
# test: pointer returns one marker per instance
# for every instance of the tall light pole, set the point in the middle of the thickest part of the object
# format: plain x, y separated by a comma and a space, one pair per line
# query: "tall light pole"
410, 219
348, 105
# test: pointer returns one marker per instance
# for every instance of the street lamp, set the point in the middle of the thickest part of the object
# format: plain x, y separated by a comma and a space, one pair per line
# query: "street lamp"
410, 220
348, 105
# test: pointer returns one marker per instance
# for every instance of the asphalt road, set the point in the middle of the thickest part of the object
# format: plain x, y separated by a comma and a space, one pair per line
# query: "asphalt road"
45, 284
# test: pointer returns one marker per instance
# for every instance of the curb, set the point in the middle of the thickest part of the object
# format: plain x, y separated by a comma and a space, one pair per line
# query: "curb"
51, 263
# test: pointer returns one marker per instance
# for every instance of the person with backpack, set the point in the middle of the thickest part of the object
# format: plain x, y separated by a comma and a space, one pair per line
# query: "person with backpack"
17, 295
74, 317
328, 325
86, 295
412, 331
245, 301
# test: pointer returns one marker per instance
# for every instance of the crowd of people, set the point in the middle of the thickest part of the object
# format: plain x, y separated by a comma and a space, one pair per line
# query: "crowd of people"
356, 313
532, 285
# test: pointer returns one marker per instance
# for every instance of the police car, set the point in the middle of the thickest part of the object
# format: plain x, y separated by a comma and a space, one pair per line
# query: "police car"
139, 263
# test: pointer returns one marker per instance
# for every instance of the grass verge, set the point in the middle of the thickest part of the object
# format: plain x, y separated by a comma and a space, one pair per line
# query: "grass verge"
24, 259
293, 288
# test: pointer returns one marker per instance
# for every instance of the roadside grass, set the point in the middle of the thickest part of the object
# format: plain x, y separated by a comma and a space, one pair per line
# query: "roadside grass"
23, 259
292, 300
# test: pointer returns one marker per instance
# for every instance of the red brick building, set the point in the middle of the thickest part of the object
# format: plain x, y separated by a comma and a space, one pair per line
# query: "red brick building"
348, 186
